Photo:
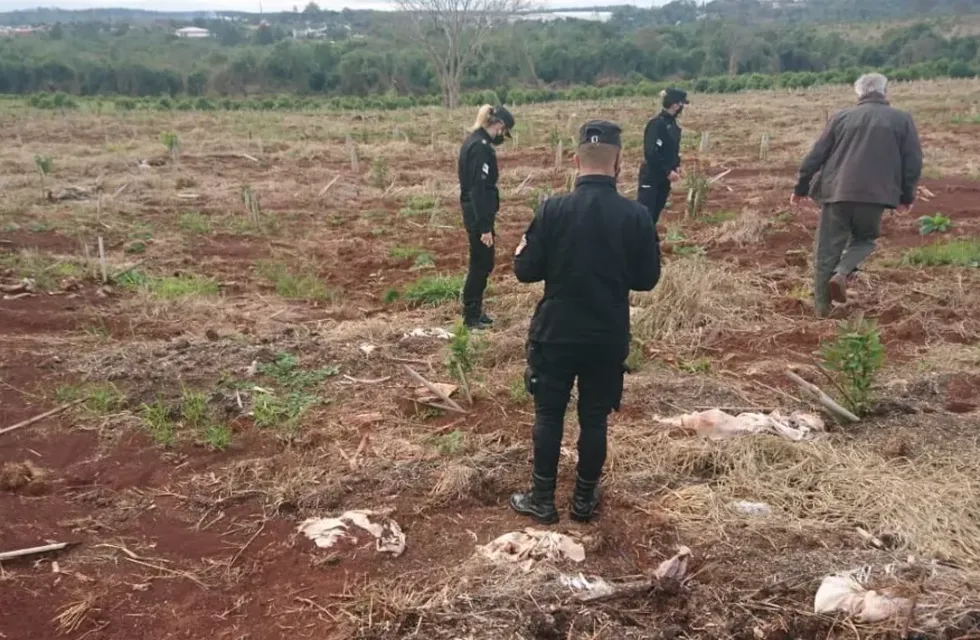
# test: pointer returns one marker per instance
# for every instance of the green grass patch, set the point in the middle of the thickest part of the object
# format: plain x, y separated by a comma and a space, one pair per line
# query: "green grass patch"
158, 423
169, 287
45, 272
957, 253
303, 285
406, 253
286, 371
690, 250
432, 291
517, 391
101, 398
284, 412
449, 444
194, 222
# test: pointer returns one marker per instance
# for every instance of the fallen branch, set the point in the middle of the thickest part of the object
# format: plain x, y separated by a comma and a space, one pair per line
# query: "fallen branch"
435, 405
329, 184
719, 176
248, 157
47, 414
449, 402
33, 551
825, 401
519, 189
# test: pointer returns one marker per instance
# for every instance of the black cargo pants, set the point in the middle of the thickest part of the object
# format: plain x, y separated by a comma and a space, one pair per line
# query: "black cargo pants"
481, 266
654, 198
551, 371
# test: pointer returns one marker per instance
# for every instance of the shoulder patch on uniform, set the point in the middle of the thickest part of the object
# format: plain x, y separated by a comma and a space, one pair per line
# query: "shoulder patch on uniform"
521, 246
486, 168
660, 142
484, 141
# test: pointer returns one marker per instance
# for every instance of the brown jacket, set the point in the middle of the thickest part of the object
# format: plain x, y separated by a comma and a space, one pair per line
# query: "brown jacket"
869, 153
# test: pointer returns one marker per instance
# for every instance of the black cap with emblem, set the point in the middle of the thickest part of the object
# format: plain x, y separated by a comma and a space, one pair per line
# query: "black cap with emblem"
674, 96
600, 132
503, 115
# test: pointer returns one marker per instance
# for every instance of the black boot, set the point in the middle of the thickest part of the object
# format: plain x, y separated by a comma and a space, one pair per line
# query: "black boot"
539, 502
585, 499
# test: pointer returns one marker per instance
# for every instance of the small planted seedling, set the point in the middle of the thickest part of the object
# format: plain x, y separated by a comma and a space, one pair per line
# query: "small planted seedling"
938, 223
855, 356
251, 202
44, 166
171, 141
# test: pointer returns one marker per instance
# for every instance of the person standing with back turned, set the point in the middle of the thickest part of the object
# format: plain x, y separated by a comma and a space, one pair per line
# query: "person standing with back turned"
661, 154
869, 160
590, 247
480, 202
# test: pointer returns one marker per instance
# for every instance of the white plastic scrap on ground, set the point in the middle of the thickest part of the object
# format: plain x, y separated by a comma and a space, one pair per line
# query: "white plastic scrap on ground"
592, 586
326, 532
715, 424
845, 593
435, 332
532, 545
751, 508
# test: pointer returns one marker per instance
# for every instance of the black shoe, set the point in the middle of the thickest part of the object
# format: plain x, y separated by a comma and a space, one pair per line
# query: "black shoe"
486, 319
476, 325
539, 502
585, 500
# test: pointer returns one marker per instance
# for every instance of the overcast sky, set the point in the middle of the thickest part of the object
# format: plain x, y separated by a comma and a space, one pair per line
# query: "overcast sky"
267, 5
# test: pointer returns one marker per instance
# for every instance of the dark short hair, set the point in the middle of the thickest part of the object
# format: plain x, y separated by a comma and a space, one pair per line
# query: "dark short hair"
598, 154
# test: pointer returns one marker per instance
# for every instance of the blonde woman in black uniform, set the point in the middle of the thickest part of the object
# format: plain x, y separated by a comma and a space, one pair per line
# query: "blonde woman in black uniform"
480, 202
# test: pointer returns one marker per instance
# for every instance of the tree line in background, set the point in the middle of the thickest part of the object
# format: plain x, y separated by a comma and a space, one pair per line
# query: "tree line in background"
361, 55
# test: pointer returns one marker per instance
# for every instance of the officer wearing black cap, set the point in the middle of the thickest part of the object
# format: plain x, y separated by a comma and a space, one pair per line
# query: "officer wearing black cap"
661, 154
480, 201
590, 247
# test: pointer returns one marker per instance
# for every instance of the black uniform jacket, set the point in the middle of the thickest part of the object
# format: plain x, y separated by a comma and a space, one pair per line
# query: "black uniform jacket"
590, 247
478, 194
661, 150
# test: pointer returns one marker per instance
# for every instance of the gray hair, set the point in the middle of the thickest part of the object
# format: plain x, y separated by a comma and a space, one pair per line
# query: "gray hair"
870, 83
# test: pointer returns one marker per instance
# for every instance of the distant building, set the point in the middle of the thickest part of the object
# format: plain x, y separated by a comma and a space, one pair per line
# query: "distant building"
548, 16
192, 32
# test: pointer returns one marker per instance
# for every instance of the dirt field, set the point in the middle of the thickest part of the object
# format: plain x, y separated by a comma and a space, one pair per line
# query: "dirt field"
243, 371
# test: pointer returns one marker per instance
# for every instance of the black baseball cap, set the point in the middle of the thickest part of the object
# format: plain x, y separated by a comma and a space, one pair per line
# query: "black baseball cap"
501, 113
674, 96
600, 132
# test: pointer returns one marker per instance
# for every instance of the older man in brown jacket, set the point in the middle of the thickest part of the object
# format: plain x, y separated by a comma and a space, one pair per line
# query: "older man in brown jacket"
868, 159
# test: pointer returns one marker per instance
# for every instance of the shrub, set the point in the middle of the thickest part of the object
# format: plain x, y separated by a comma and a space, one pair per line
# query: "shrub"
855, 356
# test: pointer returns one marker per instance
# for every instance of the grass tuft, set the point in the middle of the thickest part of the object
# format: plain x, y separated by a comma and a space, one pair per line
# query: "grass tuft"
432, 291
957, 253
303, 285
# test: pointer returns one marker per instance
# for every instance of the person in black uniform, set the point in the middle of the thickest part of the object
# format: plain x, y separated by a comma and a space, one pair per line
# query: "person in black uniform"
480, 201
661, 154
590, 247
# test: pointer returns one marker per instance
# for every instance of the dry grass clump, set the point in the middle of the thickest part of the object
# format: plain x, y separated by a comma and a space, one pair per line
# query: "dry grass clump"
74, 614
695, 298
748, 228
927, 504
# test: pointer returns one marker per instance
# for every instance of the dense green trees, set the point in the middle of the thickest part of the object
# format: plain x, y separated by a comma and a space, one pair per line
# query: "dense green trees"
369, 59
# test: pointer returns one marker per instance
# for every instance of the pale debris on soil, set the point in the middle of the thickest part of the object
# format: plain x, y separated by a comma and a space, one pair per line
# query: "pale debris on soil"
424, 394
437, 333
751, 508
593, 586
715, 424
326, 532
530, 546
675, 568
844, 593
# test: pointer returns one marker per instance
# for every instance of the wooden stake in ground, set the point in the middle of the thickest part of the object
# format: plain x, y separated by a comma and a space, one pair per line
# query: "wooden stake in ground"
352, 148
33, 551
705, 142
449, 402
764, 147
102, 264
47, 414
559, 155
825, 401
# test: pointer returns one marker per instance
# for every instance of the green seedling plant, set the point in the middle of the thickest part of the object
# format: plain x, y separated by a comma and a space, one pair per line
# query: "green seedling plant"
938, 223
171, 141
44, 166
464, 350
854, 358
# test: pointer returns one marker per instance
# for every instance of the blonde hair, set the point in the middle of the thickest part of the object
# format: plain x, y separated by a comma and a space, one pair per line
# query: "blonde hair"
484, 118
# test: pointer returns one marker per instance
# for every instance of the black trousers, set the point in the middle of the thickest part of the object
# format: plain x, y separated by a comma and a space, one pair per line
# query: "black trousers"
654, 198
552, 370
481, 266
